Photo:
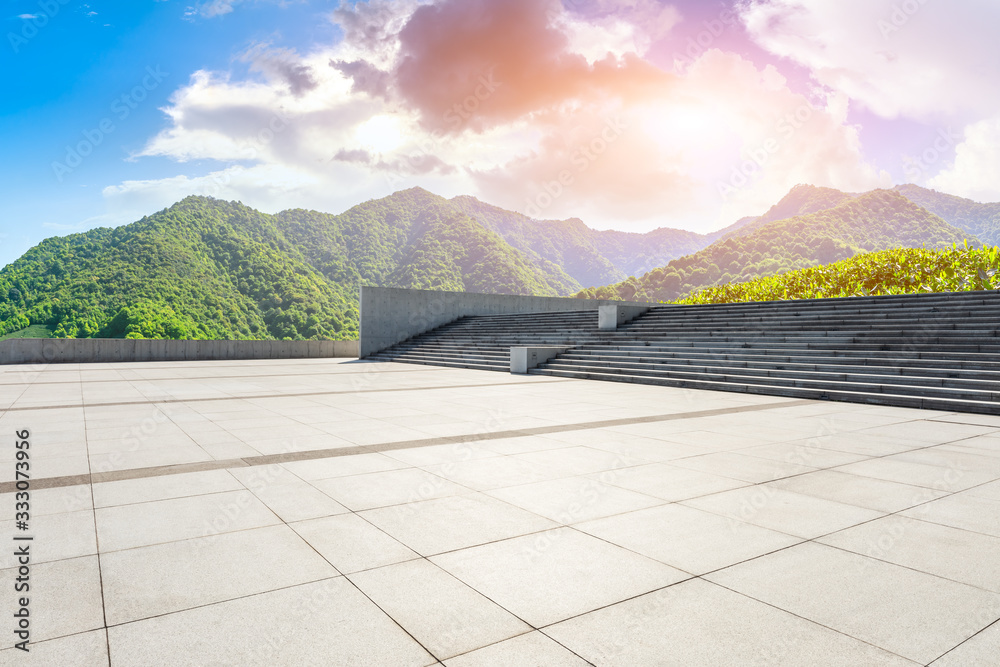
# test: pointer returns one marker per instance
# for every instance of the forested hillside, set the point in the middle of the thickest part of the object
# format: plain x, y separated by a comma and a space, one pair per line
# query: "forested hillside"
415, 239
590, 257
206, 268
981, 220
201, 269
877, 220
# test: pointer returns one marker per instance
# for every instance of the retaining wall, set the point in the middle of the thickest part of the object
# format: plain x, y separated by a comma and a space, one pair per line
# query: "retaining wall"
390, 315
66, 350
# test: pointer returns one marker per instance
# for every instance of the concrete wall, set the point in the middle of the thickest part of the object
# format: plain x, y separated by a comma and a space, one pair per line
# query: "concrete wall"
390, 316
65, 350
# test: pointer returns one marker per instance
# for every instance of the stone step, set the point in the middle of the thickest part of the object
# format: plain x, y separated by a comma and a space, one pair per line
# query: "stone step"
945, 366
868, 375
985, 407
916, 350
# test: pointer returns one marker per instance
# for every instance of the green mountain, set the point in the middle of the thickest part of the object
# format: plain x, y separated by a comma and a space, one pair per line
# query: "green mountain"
201, 269
981, 220
415, 239
587, 256
205, 268
877, 220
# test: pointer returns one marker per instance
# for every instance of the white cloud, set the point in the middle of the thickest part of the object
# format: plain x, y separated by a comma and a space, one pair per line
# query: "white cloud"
663, 148
975, 173
211, 8
917, 58
596, 28
725, 140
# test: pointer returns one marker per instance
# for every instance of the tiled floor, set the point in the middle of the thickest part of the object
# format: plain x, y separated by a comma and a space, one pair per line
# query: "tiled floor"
336, 512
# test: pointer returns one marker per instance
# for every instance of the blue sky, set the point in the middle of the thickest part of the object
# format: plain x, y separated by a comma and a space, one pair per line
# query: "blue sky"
158, 93
79, 69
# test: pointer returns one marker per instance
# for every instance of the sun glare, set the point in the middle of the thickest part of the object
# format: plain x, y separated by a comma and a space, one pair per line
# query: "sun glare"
380, 133
679, 126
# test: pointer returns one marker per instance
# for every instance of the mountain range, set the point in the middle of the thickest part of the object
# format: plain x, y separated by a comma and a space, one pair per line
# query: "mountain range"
206, 268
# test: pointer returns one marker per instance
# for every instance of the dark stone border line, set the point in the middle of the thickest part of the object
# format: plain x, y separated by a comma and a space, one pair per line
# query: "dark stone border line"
271, 459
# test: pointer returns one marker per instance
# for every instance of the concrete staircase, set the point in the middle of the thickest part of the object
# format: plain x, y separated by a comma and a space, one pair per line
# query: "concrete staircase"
484, 342
937, 351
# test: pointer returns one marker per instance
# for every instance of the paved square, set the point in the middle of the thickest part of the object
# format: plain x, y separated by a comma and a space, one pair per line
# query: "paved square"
337, 512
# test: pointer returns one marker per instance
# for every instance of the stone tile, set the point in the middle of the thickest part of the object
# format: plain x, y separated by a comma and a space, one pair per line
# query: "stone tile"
255, 477
55, 501
783, 511
443, 614
224, 451
341, 466
146, 489
633, 447
842, 487
532, 648
913, 614
143, 524
297, 501
991, 491
444, 524
952, 553
928, 432
687, 538
803, 452
86, 648
573, 499
149, 581
699, 623
744, 468
50, 467
53, 613
456, 452
919, 474
382, 489
710, 441
862, 443
980, 650
962, 510
552, 576
946, 457
668, 482
986, 445
580, 460
161, 456
352, 544
326, 622
495, 473
56, 537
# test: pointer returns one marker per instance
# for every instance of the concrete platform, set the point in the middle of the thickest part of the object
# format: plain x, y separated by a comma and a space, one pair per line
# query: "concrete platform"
337, 512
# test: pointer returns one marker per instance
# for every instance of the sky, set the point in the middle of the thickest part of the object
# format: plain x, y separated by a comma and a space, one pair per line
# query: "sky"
628, 114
